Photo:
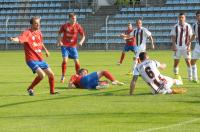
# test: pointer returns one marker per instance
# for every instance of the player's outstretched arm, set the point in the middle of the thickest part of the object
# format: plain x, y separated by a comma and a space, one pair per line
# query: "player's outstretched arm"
133, 83
14, 39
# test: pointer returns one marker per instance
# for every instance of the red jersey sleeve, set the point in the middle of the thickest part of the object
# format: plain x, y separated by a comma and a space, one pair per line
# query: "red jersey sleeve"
23, 37
72, 79
81, 30
61, 29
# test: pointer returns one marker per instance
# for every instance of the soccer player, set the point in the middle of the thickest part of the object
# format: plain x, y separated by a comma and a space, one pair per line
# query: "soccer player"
148, 69
91, 81
68, 42
130, 43
196, 51
181, 34
141, 35
33, 44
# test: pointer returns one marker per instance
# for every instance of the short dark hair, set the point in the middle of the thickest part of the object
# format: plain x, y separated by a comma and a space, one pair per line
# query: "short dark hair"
198, 12
181, 14
81, 70
71, 15
143, 56
140, 19
129, 23
33, 19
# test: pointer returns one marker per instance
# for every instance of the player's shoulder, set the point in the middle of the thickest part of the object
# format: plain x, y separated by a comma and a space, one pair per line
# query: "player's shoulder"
187, 24
27, 31
143, 28
78, 25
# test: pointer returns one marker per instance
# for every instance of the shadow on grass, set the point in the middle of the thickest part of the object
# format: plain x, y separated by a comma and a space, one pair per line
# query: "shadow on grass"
12, 82
57, 98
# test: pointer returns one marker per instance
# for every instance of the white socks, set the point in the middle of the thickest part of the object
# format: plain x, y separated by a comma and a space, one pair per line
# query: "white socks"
134, 65
189, 69
194, 72
176, 70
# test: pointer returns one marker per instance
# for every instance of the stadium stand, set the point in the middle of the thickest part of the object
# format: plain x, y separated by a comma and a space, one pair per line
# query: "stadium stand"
52, 12
159, 20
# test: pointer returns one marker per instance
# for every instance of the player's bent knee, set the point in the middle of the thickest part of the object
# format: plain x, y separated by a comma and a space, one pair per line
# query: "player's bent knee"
41, 75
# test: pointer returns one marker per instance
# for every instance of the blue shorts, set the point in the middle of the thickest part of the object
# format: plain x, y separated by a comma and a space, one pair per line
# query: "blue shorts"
69, 52
89, 81
34, 65
130, 48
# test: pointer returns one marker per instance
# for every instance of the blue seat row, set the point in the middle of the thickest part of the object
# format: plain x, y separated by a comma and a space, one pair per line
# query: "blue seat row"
169, 8
182, 2
150, 15
14, 1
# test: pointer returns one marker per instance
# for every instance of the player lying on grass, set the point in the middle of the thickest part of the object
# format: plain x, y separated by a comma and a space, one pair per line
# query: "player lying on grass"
148, 69
33, 45
91, 81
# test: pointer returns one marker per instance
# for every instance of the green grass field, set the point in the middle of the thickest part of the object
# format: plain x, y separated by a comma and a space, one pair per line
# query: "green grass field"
107, 110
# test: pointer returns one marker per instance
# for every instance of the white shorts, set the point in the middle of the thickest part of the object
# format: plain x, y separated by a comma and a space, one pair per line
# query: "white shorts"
196, 53
182, 52
167, 86
139, 51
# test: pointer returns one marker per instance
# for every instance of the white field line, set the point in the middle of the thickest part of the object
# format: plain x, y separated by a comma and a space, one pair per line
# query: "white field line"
170, 126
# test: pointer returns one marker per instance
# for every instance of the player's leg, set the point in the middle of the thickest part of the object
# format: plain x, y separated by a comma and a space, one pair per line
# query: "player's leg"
169, 83
50, 75
123, 54
38, 78
177, 55
135, 59
189, 69
175, 82
34, 66
64, 69
187, 56
109, 76
195, 57
77, 65
65, 54
121, 58
73, 54
194, 70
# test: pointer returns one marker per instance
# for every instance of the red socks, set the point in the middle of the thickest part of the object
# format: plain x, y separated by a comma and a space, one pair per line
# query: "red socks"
51, 84
35, 82
64, 68
122, 57
108, 75
77, 67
